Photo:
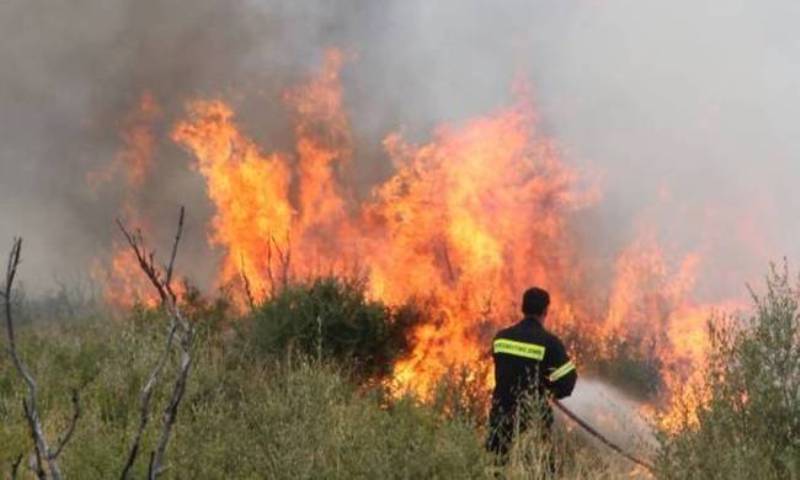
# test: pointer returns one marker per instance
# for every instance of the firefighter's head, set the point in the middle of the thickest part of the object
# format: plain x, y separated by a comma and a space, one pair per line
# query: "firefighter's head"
535, 302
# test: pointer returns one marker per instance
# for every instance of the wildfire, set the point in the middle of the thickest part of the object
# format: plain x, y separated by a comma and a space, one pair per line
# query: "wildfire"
134, 162
466, 222
470, 220
136, 157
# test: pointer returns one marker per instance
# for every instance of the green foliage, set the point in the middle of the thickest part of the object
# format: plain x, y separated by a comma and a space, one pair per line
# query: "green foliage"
332, 319
632, 365
240, 419
303, 420
750, 427
244, 416
627, 360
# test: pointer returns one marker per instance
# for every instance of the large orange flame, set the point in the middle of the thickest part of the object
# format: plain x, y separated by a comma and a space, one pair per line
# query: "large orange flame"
249, 189
471, 219
467, 221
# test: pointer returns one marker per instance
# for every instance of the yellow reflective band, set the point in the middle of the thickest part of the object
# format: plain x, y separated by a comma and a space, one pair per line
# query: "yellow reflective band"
519, 349
561, 371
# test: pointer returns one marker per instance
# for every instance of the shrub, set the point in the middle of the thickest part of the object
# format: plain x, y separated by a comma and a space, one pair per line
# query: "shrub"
750, 425
631, 365
332, 319
241, 418
462, 395
248, 417
302, 419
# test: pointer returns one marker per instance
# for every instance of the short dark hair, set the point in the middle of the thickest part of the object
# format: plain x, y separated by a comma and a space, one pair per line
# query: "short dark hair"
535, 301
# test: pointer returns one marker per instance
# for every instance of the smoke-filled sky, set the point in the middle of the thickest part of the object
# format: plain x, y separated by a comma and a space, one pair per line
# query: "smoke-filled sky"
687, 110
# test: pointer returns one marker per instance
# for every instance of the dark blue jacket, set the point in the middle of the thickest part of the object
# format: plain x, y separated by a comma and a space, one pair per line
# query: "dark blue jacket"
529, 360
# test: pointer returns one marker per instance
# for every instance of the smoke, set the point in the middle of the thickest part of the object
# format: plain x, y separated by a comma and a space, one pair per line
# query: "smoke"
686, 109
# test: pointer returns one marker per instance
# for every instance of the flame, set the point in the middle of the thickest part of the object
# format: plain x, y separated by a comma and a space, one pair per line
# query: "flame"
471, 219
135, 159
648, 296
323, 146
134, 162
439, 228
122, 288
465, 223
250, 191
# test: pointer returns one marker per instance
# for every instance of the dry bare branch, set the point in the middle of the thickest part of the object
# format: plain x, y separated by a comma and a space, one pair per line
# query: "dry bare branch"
171, 412
15, 466
269, 270
76, 414
175, 247
145, 259
144, 402
38, 464
285, 259
42, 453
446, 256
180, 328
150, 470
251, 301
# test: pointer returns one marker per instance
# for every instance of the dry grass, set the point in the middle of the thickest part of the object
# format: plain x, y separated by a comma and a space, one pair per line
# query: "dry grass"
246, 416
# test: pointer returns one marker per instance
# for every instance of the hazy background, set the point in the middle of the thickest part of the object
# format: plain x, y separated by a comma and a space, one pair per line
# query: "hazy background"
688, 110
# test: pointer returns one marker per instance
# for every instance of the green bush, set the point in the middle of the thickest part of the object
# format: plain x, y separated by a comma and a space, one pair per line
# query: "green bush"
631, 365
245, 416
332, 319
750, 426
625, 359
301, 419
240, 418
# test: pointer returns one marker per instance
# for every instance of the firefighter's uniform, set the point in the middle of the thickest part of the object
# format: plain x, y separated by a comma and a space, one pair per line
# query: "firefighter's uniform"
529, 364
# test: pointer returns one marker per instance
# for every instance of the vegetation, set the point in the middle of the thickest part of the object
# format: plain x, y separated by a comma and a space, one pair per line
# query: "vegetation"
292, 390
750, 425
331, 318
632, 365
248, 413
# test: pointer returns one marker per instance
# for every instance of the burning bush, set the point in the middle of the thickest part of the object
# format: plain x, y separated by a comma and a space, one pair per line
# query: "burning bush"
331, 318
748, 425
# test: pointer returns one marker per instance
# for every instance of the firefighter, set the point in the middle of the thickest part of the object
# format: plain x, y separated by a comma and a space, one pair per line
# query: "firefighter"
530, 364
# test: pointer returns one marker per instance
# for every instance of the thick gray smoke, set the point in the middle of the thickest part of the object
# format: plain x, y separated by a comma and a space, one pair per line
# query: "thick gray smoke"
688, 109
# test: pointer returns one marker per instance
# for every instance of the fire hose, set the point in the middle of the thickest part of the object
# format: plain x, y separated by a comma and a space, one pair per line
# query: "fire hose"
599, 436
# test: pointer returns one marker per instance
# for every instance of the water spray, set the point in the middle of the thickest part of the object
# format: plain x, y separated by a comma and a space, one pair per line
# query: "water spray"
602, 438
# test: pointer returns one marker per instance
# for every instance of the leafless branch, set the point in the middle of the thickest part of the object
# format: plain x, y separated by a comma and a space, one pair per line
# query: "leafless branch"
11, 273
15, 466
180, 328
76, 414
446, 256
288, 262
38, 465
150, 470
279, 251
144, 401
269, 270
285, 259
29, 404
145, 259
171, 412
251, 302
175, 247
